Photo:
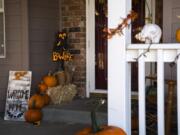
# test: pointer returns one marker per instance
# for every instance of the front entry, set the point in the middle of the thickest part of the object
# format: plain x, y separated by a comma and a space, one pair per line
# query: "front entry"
97, 45
100, 45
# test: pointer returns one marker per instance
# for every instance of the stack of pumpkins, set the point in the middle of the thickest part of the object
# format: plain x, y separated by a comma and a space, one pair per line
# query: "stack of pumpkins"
39, 100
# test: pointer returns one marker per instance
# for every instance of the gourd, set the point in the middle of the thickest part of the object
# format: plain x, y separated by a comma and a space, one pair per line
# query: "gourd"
42, 87
50, 80
33, 115
178, 35
100, 130
36, 101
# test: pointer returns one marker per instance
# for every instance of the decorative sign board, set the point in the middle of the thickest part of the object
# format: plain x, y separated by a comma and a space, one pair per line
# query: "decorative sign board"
60, 52
18, 93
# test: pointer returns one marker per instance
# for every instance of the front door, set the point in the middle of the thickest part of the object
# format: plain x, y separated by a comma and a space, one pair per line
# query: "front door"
100, 45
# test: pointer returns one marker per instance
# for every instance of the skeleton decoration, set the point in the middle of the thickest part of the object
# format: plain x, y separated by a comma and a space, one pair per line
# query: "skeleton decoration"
151, 33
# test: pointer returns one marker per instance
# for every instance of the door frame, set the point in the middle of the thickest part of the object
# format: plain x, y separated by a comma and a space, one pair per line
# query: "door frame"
90, 49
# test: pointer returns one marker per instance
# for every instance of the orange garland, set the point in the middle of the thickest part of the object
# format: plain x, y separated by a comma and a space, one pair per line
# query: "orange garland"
119, 29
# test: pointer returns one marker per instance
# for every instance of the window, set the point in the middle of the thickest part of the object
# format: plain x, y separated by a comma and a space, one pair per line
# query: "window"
2, 30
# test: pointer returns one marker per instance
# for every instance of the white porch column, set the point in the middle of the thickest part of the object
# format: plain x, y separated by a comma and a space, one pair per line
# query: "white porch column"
118, 91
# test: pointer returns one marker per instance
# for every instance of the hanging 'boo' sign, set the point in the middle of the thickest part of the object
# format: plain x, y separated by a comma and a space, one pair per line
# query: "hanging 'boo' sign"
64, 56
18, 93
60, 53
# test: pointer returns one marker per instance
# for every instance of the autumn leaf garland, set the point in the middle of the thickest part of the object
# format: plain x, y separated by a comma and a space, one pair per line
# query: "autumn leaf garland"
110, 32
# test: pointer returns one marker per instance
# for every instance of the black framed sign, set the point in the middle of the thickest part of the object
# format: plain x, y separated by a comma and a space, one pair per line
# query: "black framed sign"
18, 93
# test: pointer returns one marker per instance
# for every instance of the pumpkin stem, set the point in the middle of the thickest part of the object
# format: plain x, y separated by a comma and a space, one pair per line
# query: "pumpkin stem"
95, 127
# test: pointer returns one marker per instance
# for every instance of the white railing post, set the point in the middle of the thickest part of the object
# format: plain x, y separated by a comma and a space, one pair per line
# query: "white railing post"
142, 101
178, 92
119, 112
160, 92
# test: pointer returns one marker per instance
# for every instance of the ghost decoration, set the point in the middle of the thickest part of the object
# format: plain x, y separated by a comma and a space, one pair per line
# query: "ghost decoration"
151, 33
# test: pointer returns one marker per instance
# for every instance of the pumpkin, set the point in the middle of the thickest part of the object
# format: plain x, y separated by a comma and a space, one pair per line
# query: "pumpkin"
178, 35
33, 115
46, 99
95, 129
105, 130
36, 102
50, 80
42, 87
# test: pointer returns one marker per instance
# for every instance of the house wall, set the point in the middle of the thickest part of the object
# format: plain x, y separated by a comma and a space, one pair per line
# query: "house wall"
30, 30
73, 15
16, 43
171, 22
175, 18
43, 25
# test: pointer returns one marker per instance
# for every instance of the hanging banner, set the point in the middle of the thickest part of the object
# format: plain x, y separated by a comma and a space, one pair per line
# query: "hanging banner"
18, 93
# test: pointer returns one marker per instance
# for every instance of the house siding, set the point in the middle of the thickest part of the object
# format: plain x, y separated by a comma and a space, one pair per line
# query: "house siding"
73, 16
171, 22
16, 47
43, 24
30, 36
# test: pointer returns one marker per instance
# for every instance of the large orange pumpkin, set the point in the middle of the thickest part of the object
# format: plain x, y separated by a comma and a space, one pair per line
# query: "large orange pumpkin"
42, 87
33, 115
36, 102
105, 130
50, 80
95, 129
178, 35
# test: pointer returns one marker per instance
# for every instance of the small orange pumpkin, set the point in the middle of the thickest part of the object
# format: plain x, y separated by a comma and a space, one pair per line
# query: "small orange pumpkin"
36, 102
50, 80
42, 87
33, 115
178, 35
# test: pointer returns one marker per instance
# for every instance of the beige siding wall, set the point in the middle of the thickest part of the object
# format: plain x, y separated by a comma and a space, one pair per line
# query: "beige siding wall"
43, 24
171, 20
175, 18
16, 47
30, 35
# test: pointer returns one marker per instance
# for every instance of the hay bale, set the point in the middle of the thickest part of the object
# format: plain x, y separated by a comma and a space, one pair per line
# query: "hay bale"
62, 93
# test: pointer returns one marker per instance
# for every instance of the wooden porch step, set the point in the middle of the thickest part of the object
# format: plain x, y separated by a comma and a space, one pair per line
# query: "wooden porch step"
78, 111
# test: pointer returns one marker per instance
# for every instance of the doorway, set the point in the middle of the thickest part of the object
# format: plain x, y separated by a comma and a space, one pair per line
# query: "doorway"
96, 44
100, 45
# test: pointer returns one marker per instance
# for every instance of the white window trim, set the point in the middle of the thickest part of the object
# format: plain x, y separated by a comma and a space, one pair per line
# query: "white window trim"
90, 49
3, 11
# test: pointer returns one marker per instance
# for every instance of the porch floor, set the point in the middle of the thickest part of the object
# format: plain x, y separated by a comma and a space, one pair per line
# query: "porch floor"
77, 111
45, 128
65, 119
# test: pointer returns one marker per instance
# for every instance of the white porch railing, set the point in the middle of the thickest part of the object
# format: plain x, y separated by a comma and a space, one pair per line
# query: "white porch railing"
120, 54
159, 53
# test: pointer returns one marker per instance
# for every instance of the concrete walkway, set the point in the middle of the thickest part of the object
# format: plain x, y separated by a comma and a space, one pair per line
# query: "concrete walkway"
45, 128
